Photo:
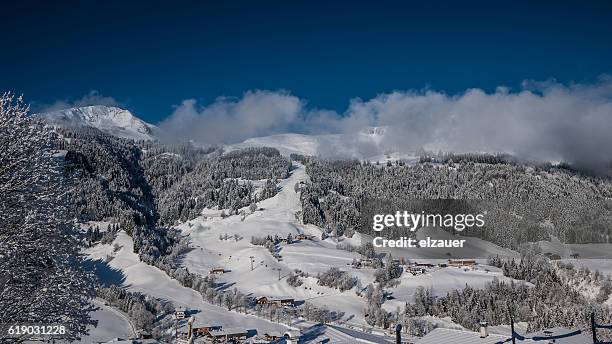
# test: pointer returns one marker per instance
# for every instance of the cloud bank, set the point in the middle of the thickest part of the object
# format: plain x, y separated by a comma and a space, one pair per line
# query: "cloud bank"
542, 120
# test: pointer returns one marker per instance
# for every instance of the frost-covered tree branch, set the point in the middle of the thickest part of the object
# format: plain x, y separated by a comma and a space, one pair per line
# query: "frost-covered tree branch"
41, 281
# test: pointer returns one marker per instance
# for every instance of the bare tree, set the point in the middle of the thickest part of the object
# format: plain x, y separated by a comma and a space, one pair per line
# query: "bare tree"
41, 281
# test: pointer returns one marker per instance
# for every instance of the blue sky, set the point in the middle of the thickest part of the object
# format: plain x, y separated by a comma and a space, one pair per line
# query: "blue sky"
150, 57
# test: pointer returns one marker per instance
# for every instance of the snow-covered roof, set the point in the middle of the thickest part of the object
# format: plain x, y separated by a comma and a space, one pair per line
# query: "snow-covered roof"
133, 341
446, 335
362, 336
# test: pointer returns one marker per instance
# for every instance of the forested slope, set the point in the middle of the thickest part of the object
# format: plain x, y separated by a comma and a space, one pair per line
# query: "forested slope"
523, 203
145, 187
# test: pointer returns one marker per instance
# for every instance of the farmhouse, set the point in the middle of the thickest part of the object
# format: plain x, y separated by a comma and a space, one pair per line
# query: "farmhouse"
417, 270
217, 271
142, 334
286, 240
370, 263
204, 330
270, 336
302, 237
279, 301
229, 333
458, 263
552, 256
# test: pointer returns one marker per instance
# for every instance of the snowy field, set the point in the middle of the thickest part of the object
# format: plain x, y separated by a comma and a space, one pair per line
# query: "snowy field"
111, 324
143, 278
592, 256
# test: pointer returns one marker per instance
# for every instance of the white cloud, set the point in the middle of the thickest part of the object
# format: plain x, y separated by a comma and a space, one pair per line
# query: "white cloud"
92, 98
228, 120
542, 120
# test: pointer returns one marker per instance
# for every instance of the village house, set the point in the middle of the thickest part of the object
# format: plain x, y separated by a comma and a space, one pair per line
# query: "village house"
228, 334
286, 241
142, 334
271, 336
202, 331
369, 263
262, 300
279, 301
458, 263
217, 271
302, 237
552, 256
417, 270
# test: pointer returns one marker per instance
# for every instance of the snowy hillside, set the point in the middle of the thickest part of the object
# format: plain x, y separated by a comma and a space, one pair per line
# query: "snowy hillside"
111, 120
275, 216
152, 281
314, 256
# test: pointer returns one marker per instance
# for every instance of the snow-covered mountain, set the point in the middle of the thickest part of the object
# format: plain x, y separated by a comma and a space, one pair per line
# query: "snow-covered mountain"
109, 119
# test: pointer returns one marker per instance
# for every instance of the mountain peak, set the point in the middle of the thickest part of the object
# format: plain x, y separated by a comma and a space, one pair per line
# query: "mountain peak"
109, 119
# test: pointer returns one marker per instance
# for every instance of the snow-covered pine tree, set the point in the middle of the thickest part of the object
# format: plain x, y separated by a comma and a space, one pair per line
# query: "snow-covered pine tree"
41, 280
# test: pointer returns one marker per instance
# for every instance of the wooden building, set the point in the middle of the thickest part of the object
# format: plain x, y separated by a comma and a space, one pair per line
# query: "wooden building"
217, 271
458, 263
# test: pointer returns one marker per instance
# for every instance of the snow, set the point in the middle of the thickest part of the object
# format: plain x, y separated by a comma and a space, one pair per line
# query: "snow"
109, 119
111, 324
152, 281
